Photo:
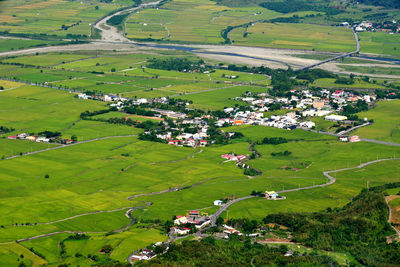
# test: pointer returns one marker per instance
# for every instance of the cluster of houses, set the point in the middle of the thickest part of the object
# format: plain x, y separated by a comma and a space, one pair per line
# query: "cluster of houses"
233, 157
194, 217
144, 254
188, 142
287, 121
387, 26
304, 102
39, 139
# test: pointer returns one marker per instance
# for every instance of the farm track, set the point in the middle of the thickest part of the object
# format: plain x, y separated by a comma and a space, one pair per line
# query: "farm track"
390, 218
73, 144
128, 214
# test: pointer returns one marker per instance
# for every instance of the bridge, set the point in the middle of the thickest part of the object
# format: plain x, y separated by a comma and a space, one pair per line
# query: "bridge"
338, 57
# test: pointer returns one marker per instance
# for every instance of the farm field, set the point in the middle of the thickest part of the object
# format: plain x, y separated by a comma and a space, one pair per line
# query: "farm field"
120, 183
380, 43
348, 183
119, 73
191, 21
386, 122
358, 83
35, 109
295, 36
16, 44
41, 18
15, 147
388, 70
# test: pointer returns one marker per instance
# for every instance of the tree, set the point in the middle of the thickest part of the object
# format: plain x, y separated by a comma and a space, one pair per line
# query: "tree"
112, 69
47, 176
74, 138
106, 249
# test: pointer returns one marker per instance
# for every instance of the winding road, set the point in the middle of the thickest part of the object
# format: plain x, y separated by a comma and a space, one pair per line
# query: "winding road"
327, 174
110, 33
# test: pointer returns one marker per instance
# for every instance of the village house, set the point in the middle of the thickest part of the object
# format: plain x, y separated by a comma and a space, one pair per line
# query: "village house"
145, 254
180, 231
218, 203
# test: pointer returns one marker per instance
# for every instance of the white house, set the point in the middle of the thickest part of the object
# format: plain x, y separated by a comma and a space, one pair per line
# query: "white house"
218, 203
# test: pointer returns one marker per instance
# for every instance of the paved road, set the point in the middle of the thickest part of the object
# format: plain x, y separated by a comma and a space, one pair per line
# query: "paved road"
327, 174
338, 57
73, 144
362, 139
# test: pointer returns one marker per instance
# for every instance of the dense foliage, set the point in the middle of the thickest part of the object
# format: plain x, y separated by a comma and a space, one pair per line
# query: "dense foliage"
289, 6
178, 64
359, 228
117, 19
211, 252
384, 3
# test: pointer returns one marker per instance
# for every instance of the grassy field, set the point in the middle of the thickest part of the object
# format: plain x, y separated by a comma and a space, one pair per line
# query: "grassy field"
191, 21
360, 84
12, 253
100, 176
375, 70
47, 17
347, 185
296, 36
386, 122
14, 147
119, 73
35, 109
16, 44
380, 43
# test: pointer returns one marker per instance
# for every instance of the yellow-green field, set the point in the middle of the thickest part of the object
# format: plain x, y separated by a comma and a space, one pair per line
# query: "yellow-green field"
386, 126
296, 36
191, 21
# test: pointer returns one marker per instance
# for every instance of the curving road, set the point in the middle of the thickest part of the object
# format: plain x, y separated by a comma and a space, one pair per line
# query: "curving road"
110, 33
390, 217
327, 174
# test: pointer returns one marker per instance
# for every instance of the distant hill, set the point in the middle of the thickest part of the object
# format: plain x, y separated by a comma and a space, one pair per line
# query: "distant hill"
286, 6
384, 3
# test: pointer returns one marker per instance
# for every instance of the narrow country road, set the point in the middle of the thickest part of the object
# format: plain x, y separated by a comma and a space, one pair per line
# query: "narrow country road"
390, 218
128, 214
327, 174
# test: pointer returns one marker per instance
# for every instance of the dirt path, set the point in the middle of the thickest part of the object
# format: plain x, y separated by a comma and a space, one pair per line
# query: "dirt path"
390, 219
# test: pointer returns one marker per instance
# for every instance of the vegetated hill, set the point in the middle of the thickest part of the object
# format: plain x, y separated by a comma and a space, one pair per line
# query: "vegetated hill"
211, 252
384, 3
288, 6
359, 228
